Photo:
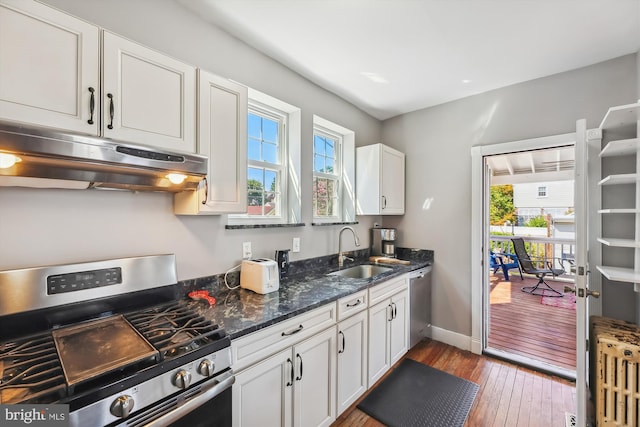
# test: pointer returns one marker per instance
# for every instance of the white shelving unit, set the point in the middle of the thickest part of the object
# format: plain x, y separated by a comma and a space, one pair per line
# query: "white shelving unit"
619, 118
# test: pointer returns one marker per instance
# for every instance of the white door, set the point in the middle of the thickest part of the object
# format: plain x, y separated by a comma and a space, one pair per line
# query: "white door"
263, 393
392, 181
379, 318
50, 67
148, 97
314, 386
399, 333
352, 360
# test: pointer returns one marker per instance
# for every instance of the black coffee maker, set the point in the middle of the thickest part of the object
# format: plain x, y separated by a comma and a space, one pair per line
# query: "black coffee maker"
282, 259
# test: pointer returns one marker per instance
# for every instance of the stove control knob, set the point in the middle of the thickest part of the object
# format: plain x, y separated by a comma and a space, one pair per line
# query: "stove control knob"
182, 379
122, 406
206, 368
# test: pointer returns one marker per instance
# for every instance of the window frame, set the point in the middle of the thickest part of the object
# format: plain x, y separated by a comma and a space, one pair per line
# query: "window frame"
544, 189
336, 175
289, 125
345, 138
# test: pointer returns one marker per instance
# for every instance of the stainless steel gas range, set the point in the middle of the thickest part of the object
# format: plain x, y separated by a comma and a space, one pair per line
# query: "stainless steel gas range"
114, 341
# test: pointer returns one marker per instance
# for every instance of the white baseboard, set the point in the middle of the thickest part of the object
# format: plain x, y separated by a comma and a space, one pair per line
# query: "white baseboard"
455, 339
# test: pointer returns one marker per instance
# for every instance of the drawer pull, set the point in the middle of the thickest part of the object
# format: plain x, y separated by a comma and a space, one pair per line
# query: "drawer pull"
111, 110
295, 331
298, 378
357, 303
92, 105
290, 383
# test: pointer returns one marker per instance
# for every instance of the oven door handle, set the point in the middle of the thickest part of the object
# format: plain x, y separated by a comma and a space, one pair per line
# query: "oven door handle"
226, 381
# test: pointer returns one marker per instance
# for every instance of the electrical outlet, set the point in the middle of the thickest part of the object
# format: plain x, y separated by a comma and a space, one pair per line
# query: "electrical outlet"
296, 245
246, 250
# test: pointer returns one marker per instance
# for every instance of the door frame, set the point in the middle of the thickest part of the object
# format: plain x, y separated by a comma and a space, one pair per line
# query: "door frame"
480, 238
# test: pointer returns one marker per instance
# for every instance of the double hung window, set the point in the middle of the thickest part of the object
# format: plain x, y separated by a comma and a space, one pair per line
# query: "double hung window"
273, 162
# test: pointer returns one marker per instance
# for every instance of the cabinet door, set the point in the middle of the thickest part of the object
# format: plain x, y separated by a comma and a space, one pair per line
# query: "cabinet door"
222, 137
352, 360
262, 394
379, 318
149, 97
392, 181
314, 387
399, 335
50, 64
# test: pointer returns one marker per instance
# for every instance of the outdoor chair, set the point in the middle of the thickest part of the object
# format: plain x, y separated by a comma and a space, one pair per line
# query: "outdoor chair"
504, 262
540, 267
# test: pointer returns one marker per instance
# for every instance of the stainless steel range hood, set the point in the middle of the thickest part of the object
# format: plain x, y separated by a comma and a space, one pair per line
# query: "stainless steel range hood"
98, 162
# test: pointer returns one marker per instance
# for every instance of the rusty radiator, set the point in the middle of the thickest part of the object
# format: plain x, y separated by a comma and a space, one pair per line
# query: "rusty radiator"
615, 356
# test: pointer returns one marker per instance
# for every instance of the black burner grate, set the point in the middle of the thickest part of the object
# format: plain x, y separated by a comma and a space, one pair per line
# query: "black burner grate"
30, 371
174, 329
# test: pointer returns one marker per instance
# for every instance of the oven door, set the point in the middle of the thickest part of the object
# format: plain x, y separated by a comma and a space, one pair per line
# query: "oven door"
206, 406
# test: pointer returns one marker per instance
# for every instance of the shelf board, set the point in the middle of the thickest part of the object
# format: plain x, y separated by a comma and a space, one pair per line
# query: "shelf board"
619, 211
621, 147
627, 178
619, 274
623, 115
620, 243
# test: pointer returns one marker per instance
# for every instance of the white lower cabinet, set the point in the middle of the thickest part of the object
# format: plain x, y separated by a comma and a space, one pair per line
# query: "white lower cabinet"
388, 334
352, 360
294, 387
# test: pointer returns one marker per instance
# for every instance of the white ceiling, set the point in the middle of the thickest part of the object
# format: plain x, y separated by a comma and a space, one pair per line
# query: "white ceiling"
423, 51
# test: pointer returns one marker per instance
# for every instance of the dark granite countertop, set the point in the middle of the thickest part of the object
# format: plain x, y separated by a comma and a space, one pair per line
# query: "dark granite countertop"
307, 286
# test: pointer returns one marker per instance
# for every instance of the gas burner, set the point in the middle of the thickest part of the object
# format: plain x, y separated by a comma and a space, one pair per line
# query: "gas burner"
174, 329
30, 371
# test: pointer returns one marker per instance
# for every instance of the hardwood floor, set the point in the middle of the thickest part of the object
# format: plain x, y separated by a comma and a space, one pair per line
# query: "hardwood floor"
521, 325
509, 395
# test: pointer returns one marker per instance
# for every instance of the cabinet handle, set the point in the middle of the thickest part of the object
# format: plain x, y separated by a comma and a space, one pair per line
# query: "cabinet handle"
393, 310
295, 331
357, 303
206, 191
111, 110
300, 377
341, 351
92, 104
391, 307
384, 202
290, 382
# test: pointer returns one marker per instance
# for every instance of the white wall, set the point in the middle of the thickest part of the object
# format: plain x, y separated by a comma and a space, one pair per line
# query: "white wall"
438, 140
60, 226
559, 194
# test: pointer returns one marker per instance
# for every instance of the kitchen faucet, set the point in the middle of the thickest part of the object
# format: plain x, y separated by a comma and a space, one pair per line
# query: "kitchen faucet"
341, 256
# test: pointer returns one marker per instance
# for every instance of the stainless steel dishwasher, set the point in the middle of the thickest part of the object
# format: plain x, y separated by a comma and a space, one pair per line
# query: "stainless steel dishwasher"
420, 302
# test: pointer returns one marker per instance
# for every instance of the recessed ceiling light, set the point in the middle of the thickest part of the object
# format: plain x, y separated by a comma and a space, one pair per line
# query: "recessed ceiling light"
466, 81
375, 77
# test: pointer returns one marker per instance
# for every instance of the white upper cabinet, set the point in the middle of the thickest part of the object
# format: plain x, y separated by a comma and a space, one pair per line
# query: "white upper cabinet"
379, 180
222, 137
49, 67
148, 97
50, 76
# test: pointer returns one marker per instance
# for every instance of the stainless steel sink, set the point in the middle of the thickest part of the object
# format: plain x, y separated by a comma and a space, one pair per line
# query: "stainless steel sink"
361, 271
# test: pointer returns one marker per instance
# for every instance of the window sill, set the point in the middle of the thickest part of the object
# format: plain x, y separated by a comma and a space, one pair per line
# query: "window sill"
249, 226
322, 224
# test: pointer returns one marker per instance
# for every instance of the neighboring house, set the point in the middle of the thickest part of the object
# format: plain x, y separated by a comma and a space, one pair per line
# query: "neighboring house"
542, 198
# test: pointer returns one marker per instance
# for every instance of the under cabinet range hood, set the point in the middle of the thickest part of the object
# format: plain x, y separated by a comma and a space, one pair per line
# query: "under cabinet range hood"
90, 162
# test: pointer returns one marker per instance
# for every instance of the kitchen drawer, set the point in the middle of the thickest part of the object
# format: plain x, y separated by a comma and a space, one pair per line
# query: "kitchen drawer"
352, 304
388, 288
250, 349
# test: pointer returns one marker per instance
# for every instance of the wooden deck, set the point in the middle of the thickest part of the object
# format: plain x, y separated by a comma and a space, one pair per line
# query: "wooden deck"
509, 395
521, 325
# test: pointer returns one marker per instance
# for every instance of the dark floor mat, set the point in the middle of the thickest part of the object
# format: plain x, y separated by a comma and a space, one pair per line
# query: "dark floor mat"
419, 395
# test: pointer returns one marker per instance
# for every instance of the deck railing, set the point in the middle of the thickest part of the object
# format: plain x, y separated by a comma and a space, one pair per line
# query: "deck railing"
562, 251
